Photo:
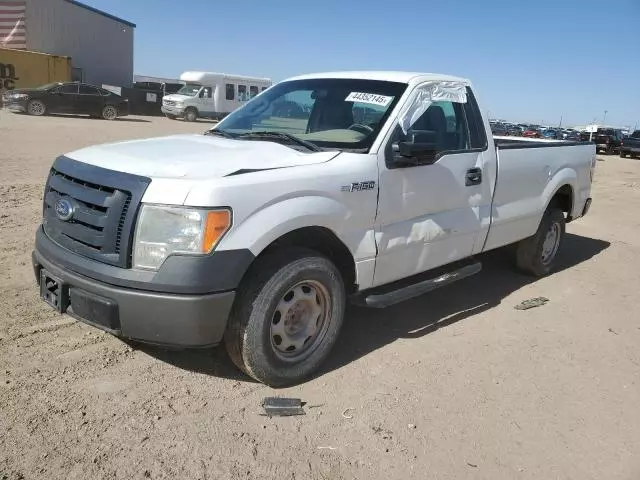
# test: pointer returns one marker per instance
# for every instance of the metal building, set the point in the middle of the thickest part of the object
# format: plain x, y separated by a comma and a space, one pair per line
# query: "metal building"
100, 45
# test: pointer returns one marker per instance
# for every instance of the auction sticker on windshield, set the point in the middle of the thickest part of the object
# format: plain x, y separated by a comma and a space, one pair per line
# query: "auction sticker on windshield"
371, 98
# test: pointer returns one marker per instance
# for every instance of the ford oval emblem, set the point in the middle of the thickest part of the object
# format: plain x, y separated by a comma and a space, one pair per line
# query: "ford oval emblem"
64, 209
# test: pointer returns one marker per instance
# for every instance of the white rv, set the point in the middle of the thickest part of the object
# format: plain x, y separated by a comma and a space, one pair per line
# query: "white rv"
211, 95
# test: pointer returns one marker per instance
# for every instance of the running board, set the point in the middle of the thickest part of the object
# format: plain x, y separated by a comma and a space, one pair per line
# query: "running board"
387, 295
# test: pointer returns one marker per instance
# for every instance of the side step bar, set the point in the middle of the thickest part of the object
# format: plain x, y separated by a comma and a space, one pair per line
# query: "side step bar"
401, 291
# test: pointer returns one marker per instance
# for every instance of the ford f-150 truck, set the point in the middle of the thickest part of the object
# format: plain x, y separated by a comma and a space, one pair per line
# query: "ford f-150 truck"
383, 186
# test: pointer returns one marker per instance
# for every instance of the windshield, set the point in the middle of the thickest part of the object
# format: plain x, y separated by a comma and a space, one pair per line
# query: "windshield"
48, 86
330, 113
190, 89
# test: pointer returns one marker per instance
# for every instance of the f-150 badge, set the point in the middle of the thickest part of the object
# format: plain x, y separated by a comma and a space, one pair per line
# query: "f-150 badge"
359, 186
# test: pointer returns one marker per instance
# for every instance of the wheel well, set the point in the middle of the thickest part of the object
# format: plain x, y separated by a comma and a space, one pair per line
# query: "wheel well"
323, 241
563, 199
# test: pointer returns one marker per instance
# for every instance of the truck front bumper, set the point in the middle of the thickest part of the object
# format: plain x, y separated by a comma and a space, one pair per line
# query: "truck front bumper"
186, 320
176, 111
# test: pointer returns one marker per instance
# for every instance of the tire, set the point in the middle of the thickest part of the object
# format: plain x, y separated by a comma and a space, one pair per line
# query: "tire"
109, 112
536, 255
622, 154
190, 115
264, 337
36, 108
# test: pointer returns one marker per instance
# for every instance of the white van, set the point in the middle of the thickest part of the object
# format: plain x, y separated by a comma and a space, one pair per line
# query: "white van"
211, 95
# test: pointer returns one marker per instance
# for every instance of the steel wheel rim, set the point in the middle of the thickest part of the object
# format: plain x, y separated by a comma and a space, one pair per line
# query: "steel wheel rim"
191, 116
300, 321
109, 113
551, 243
36, 107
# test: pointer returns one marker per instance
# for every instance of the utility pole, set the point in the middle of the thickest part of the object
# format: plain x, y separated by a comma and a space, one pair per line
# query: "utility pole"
604, 119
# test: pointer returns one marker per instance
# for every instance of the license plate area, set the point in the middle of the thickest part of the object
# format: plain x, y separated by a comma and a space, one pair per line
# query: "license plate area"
54, 291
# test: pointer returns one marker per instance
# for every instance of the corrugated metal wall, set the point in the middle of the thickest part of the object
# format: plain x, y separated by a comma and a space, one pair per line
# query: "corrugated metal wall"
102, 47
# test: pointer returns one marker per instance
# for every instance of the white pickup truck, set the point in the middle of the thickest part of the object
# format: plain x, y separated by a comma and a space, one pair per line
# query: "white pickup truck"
369, 186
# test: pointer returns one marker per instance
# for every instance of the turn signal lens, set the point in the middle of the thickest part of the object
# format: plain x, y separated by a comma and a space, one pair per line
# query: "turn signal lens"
217, 224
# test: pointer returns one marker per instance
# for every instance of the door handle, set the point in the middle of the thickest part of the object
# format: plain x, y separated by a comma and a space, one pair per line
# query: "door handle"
473, 177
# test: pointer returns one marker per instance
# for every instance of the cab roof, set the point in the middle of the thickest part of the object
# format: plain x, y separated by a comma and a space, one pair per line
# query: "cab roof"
389, 76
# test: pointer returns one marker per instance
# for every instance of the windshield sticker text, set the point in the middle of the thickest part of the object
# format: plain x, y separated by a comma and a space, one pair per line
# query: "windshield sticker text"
370, 98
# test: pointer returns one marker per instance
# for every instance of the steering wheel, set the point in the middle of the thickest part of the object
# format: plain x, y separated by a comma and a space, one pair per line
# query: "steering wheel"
361, 128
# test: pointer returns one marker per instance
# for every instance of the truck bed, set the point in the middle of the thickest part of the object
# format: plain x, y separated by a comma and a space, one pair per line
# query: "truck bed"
529, 172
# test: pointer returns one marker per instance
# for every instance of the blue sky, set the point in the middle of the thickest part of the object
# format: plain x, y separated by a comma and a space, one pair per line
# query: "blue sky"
530, 60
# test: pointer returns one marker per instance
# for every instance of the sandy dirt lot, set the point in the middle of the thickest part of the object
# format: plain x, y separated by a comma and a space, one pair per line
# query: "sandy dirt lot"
456, 384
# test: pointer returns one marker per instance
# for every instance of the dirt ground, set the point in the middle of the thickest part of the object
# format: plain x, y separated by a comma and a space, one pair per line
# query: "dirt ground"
456, 384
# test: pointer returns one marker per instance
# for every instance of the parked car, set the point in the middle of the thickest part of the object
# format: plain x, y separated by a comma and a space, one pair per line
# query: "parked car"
606, 139
67, 97
514, 130
270, 225
550, 134
630, 145
499, 129
532, 132
570, 135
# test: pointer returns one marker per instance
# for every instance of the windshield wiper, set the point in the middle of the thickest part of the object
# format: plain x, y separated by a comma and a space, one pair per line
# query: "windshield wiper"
287, 137
220, 133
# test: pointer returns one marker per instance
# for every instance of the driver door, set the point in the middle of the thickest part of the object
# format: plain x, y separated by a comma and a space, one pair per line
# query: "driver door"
432, 215
206, 104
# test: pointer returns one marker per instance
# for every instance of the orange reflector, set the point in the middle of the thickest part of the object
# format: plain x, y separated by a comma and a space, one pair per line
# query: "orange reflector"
217, 224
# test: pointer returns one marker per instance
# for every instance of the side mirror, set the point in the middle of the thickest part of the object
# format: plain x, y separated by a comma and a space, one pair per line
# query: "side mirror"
419, 148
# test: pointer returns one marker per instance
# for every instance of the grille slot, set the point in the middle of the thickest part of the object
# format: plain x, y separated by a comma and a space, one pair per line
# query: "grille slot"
103, 214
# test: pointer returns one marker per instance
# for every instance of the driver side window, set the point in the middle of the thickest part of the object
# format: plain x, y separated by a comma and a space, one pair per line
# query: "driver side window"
443, 121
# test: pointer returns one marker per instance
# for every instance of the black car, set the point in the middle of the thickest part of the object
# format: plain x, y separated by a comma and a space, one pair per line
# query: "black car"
69, 97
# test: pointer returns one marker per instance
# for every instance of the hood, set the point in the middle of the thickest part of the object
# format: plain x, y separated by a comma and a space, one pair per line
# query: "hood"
21, 90
195, 157
175, 97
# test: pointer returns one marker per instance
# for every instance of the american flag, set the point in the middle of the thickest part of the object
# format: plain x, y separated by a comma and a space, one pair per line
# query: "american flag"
13, 32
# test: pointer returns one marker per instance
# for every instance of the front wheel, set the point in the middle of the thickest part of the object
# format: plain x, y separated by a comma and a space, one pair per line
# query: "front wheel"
287, 317
190, 115
109, 112
36, 108
536, 255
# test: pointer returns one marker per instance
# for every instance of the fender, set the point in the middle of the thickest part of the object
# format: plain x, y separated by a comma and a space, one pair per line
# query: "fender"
257, 231
565, 176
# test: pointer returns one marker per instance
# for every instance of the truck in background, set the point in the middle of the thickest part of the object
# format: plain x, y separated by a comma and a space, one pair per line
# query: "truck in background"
25, 69
211, 95
630, 145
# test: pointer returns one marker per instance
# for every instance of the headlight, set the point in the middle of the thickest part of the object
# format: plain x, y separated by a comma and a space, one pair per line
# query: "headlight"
18, 96
164, 230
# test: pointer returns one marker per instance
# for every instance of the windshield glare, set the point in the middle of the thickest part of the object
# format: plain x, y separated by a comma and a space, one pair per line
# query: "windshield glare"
331, 113
48, 86
190, 89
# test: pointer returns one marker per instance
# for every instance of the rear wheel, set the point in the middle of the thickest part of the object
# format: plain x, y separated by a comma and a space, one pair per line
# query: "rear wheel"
36, 107
109, 112
287, 317
536, 255
190, 115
